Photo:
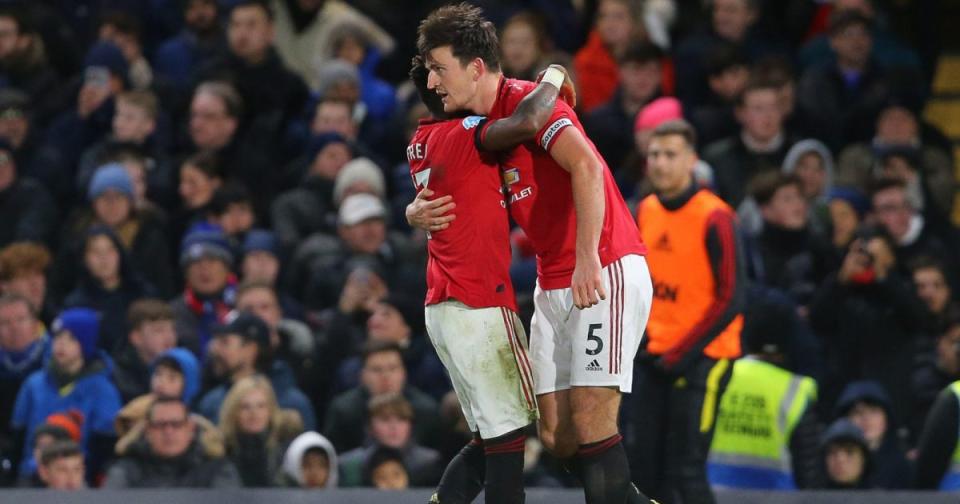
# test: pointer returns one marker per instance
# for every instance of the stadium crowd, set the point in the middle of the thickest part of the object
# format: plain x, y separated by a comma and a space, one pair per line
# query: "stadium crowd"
207, 277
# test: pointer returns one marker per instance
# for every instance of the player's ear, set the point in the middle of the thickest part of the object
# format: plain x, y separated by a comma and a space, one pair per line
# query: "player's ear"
478, 68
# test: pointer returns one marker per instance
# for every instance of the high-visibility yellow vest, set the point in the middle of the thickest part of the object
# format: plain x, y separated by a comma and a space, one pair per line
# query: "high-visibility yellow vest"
758, 412
951, 480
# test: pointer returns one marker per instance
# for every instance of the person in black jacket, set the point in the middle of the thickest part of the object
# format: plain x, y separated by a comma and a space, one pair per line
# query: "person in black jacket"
151, 333
846, 458
26, 207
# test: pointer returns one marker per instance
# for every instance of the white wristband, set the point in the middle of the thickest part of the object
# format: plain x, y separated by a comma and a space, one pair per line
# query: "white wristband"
554, 77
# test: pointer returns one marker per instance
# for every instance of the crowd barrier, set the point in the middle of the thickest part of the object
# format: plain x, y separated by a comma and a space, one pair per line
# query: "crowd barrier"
534, 496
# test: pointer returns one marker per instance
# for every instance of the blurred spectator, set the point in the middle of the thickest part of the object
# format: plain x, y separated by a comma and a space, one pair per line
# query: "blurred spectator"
937, 368
731, 22
898, 150
887, 50
932, 287
358, 176
760, 147
524, 42
261, 264
610, 124
105, 75
305, 33
257, 432
270, 91
153, 178
23, 271
309, 207
123, 30
362, 237
23, 59
767, 430
34, 158
936, 465
24, 348
384, 469
291, 341
77, 378
400, 320
149, 333
383, 372
231, 209
847, 207
61, 466
867, 406
111, 205
57, 428
843, 98
914, 236
728, 73
390, 425
178, 58
350, 43
200, 177
778, 71
240, 348
631, 177
174, 374
810, 160
25, 205
215, 113
108, 284
867, 318
618, 24
209, 290
786, 254
172, 451
846, 457
311, 462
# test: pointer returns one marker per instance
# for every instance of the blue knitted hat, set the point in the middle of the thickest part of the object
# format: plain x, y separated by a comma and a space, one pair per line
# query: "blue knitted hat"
83, 324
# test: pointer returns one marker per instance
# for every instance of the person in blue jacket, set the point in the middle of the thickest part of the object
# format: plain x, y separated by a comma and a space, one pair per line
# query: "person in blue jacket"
76, 378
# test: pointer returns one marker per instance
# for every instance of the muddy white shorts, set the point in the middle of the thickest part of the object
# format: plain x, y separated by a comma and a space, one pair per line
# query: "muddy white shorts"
485, 353
593, 347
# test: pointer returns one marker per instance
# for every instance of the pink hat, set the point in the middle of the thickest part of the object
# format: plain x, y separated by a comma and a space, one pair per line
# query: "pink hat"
658, 112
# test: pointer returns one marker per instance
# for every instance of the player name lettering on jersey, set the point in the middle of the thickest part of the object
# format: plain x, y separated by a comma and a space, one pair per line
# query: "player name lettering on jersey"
416, 151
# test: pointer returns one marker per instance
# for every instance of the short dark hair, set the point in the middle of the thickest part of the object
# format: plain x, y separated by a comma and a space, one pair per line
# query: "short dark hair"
207, 163
927, 262
418, 74
754, 84
764, 186
160, 401
373, 347
641, 53
231, 193
845, 18
123, 22
884, 184
775, 69
59, 450
722, 57
148, 310
679, 127
261, 4
381, 455
465, 30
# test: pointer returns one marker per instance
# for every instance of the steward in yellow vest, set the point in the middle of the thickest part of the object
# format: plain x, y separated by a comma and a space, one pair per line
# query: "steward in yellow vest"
938, 458
766, 436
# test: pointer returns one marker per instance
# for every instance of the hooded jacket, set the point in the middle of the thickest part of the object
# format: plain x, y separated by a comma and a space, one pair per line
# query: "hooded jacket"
135, 411
293, 458
844, 430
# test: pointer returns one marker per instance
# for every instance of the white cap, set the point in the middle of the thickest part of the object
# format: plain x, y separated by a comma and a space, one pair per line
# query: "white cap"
357, 208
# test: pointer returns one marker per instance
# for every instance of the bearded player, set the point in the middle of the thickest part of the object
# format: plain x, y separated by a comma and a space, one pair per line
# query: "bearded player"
593, 290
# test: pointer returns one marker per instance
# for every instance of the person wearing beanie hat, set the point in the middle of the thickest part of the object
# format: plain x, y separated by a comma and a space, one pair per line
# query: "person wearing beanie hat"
206, 260
360, 175
847, 207
76, 378
58, 428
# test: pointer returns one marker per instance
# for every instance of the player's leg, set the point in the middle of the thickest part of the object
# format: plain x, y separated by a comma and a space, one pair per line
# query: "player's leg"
604, 340
464, 476
556, 424
492, 367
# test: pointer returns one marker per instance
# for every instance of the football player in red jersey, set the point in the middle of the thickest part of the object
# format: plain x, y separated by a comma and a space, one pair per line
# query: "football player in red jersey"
470, 305
593, 290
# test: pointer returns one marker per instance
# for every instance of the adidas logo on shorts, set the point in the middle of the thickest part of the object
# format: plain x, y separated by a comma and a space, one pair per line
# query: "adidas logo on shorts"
594, 366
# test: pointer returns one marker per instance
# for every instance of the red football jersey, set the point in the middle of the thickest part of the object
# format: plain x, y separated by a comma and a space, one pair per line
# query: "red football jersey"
470, 260
541, 196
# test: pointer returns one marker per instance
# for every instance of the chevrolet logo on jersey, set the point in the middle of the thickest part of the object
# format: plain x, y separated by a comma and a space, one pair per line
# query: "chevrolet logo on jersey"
511, 176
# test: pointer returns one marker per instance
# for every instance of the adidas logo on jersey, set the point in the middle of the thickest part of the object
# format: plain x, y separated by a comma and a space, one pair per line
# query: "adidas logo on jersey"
594, 366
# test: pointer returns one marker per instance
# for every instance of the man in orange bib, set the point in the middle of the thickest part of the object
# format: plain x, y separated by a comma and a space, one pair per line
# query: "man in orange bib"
694, 328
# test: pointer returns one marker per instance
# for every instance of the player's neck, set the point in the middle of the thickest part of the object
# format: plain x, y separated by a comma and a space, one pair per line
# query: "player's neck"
486, 96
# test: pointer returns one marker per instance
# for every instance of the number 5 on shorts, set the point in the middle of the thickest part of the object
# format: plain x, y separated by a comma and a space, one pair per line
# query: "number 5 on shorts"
594, 338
